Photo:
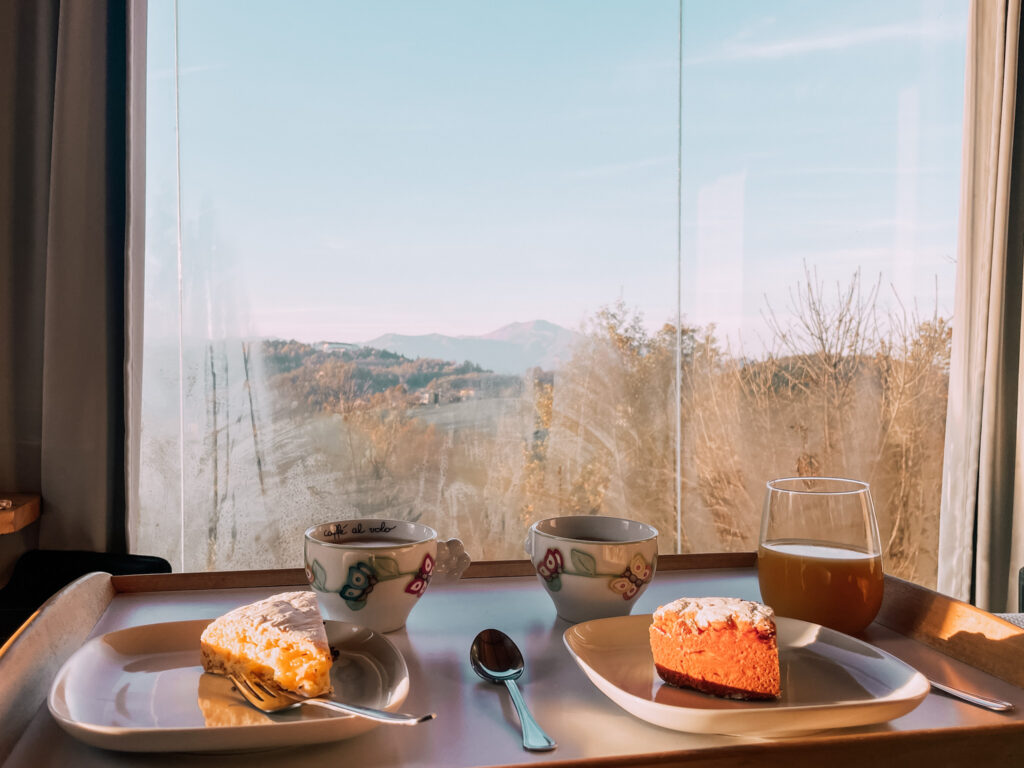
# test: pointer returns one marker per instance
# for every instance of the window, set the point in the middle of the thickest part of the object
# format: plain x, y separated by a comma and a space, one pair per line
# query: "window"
480, 264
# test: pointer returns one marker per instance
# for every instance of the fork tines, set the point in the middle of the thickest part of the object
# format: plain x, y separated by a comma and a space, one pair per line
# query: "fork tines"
243, 686
260, 690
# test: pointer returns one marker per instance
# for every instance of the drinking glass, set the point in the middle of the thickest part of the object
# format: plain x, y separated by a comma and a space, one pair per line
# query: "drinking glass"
819, 557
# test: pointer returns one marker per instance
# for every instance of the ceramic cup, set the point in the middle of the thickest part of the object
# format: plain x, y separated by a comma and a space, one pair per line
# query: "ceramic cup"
372, 572
593, 567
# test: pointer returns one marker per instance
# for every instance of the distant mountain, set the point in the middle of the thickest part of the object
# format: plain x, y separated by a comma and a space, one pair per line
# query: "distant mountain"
511, 349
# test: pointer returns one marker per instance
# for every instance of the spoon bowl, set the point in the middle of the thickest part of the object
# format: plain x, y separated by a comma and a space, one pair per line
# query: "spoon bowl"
496, 658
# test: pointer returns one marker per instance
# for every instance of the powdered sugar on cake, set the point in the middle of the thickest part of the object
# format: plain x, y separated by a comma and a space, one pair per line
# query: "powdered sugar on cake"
705, 611
294, 612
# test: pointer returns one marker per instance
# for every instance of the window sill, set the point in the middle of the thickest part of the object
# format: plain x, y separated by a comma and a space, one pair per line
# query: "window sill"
24, 512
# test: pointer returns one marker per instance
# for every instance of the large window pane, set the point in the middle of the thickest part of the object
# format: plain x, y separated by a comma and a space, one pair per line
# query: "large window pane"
437, 262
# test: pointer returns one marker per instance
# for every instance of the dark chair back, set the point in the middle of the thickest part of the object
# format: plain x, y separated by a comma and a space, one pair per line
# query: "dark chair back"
40, 573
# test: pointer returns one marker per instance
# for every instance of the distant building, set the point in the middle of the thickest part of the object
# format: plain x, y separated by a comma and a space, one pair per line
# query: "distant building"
337, 346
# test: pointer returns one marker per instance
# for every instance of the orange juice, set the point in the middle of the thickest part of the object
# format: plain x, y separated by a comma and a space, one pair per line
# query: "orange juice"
822, 583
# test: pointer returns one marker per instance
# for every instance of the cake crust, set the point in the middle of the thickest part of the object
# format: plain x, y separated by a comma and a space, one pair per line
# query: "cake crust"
721, 646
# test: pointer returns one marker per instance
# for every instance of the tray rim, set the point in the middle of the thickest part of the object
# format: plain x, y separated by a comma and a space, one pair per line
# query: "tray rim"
952, 627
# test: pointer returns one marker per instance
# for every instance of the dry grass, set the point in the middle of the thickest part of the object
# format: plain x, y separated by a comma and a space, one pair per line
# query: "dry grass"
841, 391
846, 393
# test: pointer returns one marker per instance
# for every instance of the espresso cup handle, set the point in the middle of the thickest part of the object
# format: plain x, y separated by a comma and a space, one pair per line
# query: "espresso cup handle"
528, 545
452, 558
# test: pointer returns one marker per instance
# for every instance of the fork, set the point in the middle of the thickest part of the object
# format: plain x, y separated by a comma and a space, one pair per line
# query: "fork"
271, 698
996, 705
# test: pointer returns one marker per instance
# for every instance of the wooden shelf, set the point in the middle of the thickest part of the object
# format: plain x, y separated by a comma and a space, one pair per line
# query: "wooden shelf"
24, 512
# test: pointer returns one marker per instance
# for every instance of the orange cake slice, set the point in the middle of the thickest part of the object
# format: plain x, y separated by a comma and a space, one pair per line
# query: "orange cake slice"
717, 645
279, 640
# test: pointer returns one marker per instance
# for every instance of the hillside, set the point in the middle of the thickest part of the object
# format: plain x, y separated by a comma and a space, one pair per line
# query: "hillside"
512, 349
328, 377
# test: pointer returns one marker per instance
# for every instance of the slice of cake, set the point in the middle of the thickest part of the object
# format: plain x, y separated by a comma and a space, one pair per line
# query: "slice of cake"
717, 645
278, 640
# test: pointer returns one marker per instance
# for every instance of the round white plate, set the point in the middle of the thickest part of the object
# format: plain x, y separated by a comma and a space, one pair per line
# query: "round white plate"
143, 689
829, 680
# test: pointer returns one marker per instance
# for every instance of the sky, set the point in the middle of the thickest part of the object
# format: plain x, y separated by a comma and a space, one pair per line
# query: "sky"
350, 169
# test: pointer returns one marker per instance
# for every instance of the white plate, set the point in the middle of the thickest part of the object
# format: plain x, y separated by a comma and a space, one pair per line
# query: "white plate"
143, 690
829, 680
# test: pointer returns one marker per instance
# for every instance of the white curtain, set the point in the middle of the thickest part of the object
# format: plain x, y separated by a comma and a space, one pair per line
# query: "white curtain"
982, 517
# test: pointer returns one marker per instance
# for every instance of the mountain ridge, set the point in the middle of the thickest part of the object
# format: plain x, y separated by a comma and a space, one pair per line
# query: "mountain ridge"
511, 349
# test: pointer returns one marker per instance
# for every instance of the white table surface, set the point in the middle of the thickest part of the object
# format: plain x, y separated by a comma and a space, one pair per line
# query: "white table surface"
476, 724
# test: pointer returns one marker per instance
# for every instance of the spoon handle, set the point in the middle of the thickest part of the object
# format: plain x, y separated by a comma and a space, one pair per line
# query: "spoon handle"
534, 737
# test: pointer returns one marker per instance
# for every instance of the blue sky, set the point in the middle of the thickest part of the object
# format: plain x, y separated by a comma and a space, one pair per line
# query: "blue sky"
351, 169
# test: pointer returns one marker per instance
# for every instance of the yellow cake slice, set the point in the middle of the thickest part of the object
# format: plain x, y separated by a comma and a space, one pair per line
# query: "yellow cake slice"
279, 640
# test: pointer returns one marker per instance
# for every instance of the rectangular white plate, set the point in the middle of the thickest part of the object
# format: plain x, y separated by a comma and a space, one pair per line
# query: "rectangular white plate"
829, 680
143, 689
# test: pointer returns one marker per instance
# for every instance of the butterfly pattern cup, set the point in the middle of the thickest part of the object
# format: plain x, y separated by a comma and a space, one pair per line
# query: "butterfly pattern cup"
372, 572
628, 584
593, 566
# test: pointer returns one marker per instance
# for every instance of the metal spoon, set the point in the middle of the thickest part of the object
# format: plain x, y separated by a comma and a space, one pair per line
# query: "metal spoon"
996, 705
496, 658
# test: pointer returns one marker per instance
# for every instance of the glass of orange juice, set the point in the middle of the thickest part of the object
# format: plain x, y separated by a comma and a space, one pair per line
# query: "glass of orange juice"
820, 557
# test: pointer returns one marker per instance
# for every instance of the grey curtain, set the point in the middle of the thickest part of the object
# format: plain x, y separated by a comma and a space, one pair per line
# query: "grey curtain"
63, 116
981, 541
